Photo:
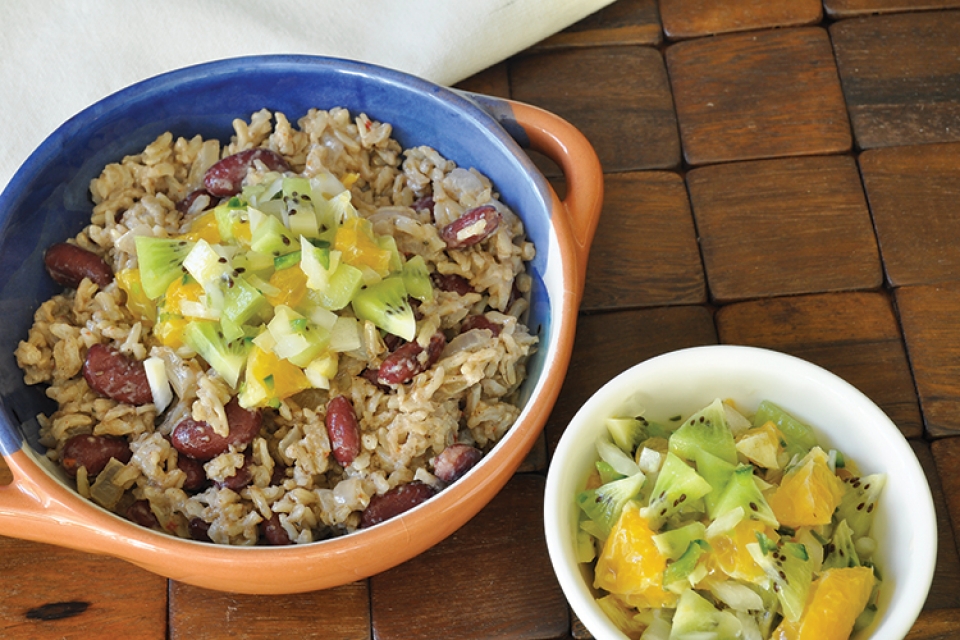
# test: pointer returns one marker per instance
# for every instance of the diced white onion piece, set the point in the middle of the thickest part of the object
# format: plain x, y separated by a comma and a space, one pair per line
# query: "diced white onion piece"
737, 422
725, 523
159, 382
649, 460
345, 334
616, 458
738, 597
195, 309
322, 317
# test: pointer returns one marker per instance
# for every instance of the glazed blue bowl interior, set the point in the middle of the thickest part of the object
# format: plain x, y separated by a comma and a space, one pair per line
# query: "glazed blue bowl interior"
48, 199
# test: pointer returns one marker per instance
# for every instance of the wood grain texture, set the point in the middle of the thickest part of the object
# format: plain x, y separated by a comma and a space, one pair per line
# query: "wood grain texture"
854, 335
946, 454
928, 315
936, 624
609, 343
693, 18
900, 77
851, 8
492, 81
496, 566
783, 227
912, 193
623, 22
619, 97
51, 592
758, 95
341, 613
945, 588
645, 250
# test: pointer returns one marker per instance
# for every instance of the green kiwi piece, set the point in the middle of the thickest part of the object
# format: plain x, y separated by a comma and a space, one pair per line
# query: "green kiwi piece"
678, 486
676, 574
674, 542
696, 617
272, 238
226, 357
342, 287
798, 437
705, 430
860, 501
161, 262
840, 552
718, 473
607, 472
416, 278
604, 504
626, 433
742, 491
790, 568
385, 305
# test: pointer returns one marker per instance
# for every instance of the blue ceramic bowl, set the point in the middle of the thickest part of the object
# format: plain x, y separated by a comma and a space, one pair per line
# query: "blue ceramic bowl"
48, 201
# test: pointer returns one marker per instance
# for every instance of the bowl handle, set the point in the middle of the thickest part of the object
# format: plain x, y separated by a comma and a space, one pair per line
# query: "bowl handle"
563, 143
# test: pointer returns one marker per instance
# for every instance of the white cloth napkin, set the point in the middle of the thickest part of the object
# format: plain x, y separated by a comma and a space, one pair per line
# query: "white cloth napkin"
59, 56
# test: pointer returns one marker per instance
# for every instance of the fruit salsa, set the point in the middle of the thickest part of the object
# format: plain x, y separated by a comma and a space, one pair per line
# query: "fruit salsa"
721, 526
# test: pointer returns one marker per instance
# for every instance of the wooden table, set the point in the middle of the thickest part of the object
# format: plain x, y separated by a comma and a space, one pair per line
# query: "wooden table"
780, 173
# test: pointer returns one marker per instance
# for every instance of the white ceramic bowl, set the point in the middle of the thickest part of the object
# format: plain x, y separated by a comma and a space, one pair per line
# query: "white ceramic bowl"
684, 381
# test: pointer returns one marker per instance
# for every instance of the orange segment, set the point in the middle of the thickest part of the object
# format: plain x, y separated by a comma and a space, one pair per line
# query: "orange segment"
137, 301
272, 378
355, 240
203, 227
834, 603
729, 552
292, 283
630, 564
808, 494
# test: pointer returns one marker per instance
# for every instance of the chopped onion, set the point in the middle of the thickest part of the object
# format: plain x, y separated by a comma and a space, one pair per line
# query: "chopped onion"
159, 383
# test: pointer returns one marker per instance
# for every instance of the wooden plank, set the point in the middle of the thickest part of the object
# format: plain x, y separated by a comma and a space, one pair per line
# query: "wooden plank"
495, 569
782, 227
912, 193
854, 335
899, 75
645, 250
342, 613
851, 8
946, 454
758, 95
928, 316
945, 588
492, 81
619, 97
936, 624
693, 18
609, 343
51, 592
623, 22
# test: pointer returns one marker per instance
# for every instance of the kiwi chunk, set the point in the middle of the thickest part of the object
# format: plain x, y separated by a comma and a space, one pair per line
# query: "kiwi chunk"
674, 542
860, 501
798, 437
161, 262
840, 552
272, 238
678, 486
416, 278
226, 357
385, 305
718, 473
626, 433
696, 617
675, 576
790, 568
604, 504
705, 430
742, 491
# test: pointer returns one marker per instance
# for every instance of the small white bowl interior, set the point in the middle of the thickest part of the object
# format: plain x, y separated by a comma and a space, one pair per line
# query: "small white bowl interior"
685, 381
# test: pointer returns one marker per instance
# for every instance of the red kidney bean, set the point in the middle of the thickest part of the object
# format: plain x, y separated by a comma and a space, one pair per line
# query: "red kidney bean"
452, 282
116, 376
394, 502
241, 478
454, 461
199, 440
274, 533
403, 364
92, 452
199, 529
423, 204
196, 477
184, 205
343, 430
140, 513
225, 178
479, 322
278, 476
69, 264
472, 227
